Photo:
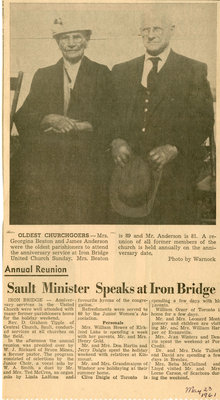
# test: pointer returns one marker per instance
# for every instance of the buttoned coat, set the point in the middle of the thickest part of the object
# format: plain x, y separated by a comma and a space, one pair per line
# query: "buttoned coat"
62, 176
181, 114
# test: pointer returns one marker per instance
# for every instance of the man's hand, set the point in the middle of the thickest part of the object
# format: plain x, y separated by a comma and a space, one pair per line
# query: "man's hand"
162, 155
121, 152
58, 123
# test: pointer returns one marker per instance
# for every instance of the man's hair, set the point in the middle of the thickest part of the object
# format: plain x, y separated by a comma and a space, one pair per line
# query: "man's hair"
162, 11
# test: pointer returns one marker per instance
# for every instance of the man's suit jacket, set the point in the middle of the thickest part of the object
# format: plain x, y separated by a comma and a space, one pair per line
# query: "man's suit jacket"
63, 176
182, 111
181, 114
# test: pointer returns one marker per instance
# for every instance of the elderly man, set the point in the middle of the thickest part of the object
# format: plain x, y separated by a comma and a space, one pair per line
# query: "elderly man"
64, 127
166, 112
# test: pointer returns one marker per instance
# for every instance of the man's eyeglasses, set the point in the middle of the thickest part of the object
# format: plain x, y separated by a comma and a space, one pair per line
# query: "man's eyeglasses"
155, 30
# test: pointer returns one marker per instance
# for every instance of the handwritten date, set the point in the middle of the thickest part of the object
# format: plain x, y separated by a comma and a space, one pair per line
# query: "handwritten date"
206, 393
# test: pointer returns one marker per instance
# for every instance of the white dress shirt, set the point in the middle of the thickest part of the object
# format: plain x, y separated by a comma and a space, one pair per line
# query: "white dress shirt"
70, 73
148, 65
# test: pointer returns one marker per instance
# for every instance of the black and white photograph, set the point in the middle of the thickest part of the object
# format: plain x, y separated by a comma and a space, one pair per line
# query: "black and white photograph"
111, 284
113, 113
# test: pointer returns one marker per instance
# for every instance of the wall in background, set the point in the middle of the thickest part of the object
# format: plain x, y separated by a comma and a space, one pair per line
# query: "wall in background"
115, 34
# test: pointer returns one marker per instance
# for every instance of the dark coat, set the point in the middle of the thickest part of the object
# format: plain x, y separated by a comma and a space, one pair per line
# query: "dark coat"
181, 114
63, 175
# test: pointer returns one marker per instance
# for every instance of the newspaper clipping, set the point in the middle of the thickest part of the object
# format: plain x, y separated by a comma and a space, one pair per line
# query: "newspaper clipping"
111, 282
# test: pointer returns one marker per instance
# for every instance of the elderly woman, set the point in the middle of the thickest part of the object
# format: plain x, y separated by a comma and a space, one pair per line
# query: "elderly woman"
64, 127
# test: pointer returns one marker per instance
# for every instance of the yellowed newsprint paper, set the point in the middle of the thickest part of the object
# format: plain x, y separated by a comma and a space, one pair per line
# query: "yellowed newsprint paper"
111, 282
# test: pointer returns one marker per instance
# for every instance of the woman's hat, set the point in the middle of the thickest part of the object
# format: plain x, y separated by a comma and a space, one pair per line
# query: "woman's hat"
62, 25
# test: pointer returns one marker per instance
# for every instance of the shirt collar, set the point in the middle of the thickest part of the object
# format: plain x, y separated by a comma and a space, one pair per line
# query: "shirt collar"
71, 67
163, 56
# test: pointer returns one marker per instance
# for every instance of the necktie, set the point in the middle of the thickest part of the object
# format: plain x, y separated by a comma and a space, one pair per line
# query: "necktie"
152, 76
